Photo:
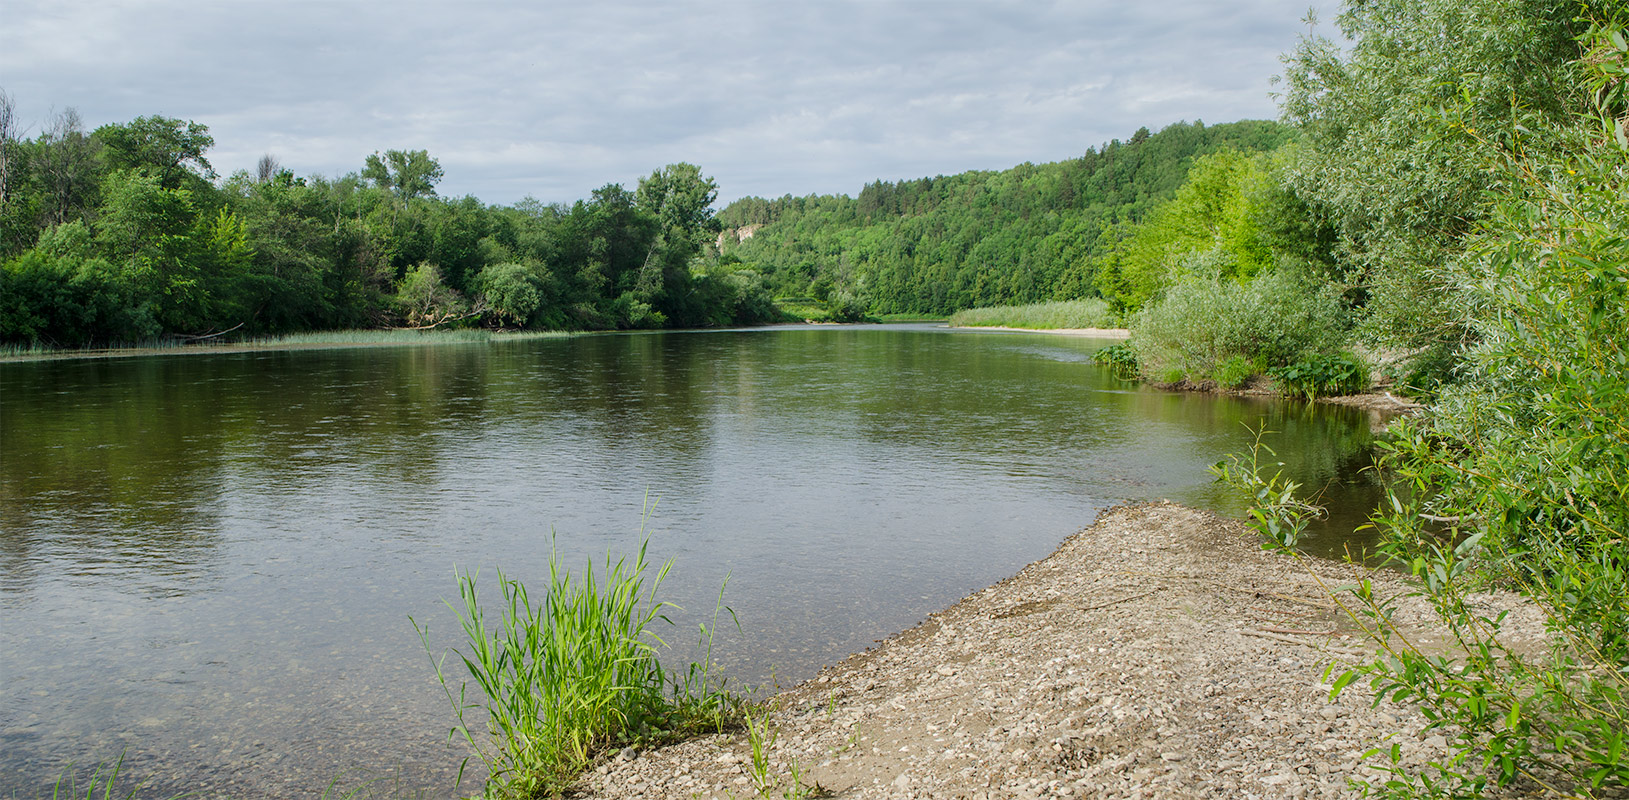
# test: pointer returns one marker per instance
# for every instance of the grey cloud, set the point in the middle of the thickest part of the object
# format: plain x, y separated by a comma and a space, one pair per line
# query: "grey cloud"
553, 99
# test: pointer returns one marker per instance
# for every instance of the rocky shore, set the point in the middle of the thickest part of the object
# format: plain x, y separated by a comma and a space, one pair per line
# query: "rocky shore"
1157, 653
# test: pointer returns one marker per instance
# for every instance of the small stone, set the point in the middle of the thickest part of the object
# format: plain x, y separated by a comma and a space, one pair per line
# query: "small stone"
628, 754
1171, 757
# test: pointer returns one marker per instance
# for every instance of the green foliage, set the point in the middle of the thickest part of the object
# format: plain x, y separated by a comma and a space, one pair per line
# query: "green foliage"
273, 253
1525, 462
1119, 357
1394, 124
1215, 211
1275, 511
1058, 314
573, 676
407, 173
516, 292
1235, 371
1204, 322
1323, 374
170, 150
427, 301
938, 245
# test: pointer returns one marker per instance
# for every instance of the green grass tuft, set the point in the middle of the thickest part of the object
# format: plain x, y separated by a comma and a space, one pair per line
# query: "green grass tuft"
574, 676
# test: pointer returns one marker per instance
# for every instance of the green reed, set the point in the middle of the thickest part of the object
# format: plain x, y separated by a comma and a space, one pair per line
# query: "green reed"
1088, 313
574, 676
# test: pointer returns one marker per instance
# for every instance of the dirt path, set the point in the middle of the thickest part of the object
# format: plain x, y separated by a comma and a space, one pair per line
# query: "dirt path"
1158, 653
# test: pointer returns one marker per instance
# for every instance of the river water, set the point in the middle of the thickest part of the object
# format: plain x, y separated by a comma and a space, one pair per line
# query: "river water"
208, 563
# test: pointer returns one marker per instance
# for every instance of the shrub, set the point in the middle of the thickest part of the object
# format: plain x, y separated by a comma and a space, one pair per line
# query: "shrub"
1119, 358
1270, 322
1319, 375
1235, 371
1526, 463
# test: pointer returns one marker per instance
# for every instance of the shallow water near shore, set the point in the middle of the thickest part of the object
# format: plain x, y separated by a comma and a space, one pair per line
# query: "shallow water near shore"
209, 562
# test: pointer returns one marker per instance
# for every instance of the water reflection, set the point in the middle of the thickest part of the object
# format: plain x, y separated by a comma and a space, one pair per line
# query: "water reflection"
210, 560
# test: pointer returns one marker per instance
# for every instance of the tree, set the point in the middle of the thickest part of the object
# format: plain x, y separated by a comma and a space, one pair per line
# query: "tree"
67, 167
267, 168
146, 231
516, 292
681, 199
408, 173
1213, 212
8, 135
172, 149
1393, 129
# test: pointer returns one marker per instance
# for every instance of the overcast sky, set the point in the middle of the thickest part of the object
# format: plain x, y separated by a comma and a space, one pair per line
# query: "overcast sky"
554, 99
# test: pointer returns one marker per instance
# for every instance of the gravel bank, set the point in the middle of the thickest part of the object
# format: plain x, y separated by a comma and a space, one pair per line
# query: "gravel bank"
1158, 653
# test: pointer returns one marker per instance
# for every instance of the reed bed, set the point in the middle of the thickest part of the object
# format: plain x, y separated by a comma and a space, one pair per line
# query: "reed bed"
1088, 313
395, 336
293, 341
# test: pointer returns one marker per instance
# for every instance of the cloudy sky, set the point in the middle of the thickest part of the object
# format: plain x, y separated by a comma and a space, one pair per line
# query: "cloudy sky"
554, 99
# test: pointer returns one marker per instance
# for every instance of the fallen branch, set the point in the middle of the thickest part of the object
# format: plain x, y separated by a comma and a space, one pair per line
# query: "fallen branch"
1321, 646
202, 337
1276, 629
1101, 606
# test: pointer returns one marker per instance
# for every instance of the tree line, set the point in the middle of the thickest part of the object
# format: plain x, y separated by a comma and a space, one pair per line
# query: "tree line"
125, 234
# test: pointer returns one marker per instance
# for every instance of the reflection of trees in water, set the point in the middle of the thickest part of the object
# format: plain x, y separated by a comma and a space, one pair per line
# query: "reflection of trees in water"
126, 463
133, 462
108, 465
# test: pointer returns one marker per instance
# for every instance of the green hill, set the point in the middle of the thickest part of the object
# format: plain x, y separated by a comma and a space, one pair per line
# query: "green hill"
938, 245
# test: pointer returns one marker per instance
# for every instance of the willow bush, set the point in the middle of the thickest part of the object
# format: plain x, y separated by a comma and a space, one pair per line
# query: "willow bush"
1203, 323
1520, 480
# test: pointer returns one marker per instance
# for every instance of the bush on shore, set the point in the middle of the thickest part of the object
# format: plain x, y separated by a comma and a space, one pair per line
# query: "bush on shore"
1213, 329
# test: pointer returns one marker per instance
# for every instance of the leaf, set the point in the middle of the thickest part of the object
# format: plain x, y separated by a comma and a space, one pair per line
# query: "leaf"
1342, 682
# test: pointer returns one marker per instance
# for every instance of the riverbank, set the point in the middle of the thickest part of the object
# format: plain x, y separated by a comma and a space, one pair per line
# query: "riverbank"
321, 340
1157, 653
1096, 333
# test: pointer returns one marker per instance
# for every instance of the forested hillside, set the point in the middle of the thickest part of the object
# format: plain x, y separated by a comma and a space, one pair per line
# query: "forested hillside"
938, 245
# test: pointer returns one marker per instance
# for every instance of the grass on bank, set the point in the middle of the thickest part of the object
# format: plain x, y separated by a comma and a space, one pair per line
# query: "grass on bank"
396, 336
552, 685
1088, 313
344, 338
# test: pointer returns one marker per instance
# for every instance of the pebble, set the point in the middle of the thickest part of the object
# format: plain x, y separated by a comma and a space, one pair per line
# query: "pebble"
1151, 687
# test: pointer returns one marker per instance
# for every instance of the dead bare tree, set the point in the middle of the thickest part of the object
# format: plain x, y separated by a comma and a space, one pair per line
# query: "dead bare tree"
8, 134
267, 168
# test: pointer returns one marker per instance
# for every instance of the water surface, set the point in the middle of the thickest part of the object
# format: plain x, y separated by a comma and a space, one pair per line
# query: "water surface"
208, 562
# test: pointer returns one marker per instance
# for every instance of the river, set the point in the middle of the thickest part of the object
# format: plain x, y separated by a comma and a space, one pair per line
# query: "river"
208, 562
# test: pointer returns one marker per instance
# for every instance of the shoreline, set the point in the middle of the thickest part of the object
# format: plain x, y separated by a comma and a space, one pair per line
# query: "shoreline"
1093, 333
360, 339
1157, 653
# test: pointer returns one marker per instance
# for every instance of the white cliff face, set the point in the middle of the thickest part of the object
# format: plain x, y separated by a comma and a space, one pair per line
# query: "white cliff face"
740, 234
